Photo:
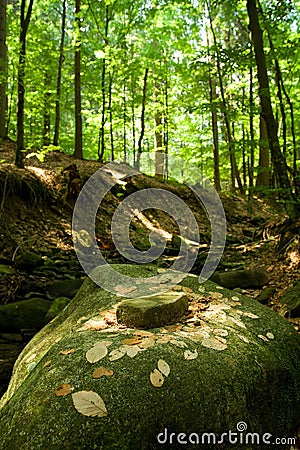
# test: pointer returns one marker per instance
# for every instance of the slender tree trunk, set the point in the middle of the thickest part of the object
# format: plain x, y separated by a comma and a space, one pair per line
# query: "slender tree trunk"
158, 143
124, 123
111, 129
24, 23
47, 106
233, 164
101, 146
59, 75
279, 161
252, 138
214, 122
263, 176
3, 69
166, 126
78, 153
133, 127
140, 142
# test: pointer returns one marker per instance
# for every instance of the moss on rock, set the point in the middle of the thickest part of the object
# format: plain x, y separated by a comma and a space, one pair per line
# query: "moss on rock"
241, 365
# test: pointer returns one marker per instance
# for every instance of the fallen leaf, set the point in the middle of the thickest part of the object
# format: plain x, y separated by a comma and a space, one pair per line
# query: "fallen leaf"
67, 352
124, 290
63, 390
214, 343
243, 338
89, 403
264, 338
94, 325
132, 350
179, 344
270, 336
189, 355
239, 323
173, 328
47, 363
97, 352
220, 332
147, 343
101, 372
163, 367
143, 333
156, 378
117, 354
235, 299
216, 295
251, 315
132, 341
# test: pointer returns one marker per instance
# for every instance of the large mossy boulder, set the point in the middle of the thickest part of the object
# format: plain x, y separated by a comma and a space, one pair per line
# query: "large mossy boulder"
86, 382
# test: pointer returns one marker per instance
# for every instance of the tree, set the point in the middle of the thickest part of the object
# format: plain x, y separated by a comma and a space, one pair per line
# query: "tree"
59, 75
278, 159
24, 23
78, 153
3, 69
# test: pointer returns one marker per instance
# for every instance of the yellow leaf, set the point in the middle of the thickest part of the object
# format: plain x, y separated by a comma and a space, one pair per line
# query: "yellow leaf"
163, 367
117, 354
132, 341
270, 335
214, 343
156, 378
47, 363
189, 355
67, 352
101, 371
97, 352
63, 390
89, 403
132, 350
147, 343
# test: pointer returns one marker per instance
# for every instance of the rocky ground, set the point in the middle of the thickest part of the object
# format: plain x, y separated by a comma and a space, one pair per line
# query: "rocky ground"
38, 261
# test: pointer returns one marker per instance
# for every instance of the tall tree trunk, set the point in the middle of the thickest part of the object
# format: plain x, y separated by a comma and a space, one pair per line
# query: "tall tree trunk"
234, 169
124, 122
24, 23
78, 153
252, 138
166, 126
101, 145
47, 106
111, 130
140, 142
158, 144
214, 122
263, 176
278, 159
59, 75
3, 69
133, 126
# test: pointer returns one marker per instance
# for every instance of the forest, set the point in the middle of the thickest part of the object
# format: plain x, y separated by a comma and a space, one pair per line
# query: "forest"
149, 224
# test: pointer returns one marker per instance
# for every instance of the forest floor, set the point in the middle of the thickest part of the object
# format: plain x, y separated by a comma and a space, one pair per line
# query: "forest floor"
36, 208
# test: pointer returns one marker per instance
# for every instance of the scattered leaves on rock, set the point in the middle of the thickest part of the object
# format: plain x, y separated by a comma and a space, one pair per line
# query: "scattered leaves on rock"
163, 367
189, 355
214, 343
97, 352
117, 354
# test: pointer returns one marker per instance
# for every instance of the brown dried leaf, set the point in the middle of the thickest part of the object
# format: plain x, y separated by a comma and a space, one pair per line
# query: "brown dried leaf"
47, 363
142, 333
156, 378
63, 390
147, 343
124, 290
101, 372
89, 403
67, 352
132, 341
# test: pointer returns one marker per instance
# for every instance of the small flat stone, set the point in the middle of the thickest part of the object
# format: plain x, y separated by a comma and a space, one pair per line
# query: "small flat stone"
152, 312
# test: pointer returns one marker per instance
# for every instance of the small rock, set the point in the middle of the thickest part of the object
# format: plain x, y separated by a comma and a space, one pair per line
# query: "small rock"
246, 278
152, 312
265, 295
291, 298
56, 307
28, 261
